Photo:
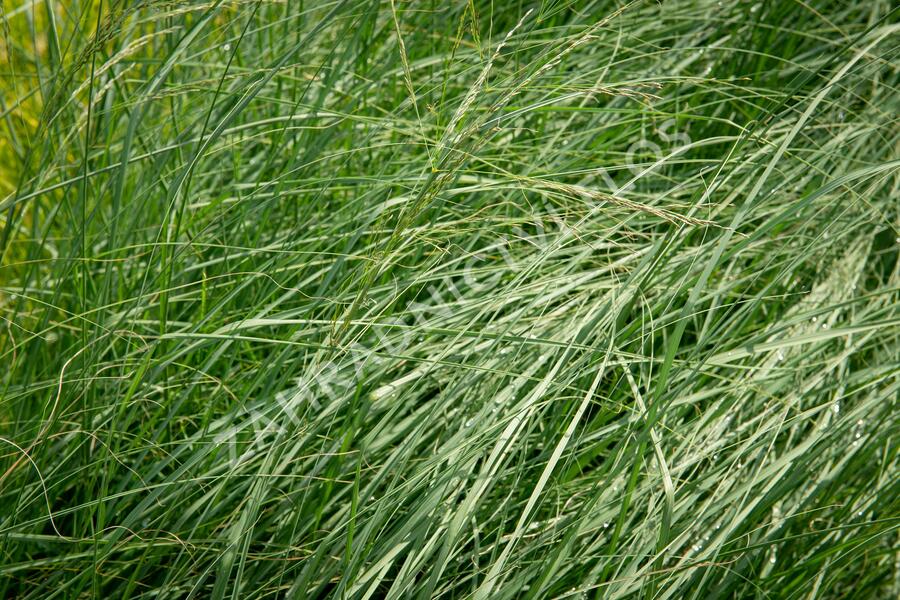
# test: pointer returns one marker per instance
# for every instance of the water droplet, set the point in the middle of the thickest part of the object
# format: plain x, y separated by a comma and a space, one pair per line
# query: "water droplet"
772, 559
824, 325
860, 422
814, 319
858, 435
469, 422
836, 407
226, 47
780, 355
606, 525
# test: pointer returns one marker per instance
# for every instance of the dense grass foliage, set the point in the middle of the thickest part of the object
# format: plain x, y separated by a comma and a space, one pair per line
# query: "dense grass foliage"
360, 299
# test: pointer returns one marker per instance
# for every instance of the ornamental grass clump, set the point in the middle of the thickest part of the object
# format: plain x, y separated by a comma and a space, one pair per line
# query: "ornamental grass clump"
414, 299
